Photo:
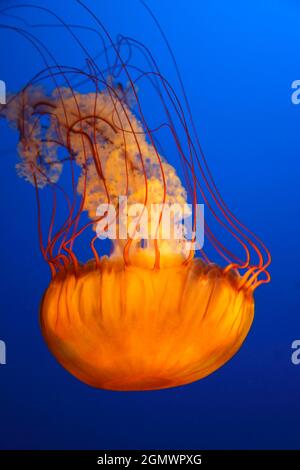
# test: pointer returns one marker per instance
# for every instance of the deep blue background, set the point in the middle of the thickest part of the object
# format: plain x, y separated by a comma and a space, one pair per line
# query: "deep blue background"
238, 60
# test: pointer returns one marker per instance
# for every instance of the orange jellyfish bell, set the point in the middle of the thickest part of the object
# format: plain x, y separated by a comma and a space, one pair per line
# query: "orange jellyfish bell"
135, 328
161, 310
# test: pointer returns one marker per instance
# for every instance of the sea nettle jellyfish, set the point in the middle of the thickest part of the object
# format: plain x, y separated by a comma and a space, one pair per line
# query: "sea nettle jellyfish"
157, 311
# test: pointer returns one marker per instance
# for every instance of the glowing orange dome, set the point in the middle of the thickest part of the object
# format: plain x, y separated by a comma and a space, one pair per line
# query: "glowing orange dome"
135, 328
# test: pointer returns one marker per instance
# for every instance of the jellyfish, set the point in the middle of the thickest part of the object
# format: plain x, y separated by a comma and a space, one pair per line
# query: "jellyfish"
153, 311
